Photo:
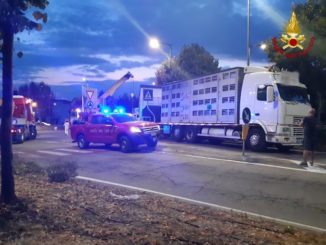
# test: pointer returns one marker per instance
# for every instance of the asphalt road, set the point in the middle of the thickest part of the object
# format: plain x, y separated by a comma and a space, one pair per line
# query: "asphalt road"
270, 183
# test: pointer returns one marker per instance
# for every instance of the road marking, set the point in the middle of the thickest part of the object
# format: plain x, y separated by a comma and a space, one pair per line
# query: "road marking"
54, 153
255, 215
74, 151
249, 163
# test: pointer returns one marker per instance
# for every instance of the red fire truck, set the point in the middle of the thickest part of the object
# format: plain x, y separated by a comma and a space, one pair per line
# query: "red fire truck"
23, 119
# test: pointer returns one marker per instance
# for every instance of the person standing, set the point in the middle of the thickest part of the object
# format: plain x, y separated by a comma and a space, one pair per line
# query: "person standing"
66, 126
309, 125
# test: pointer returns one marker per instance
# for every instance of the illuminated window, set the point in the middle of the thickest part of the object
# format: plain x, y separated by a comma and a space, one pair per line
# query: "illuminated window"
214, 78
173, 114
201, 91
213, 101
225, 99
231, 111
208, 79
232, 86
195, 92
262, 93
201, 80
200, 113
207, 101
194, 113
207, 113
231, 99
225, 87
207, 90
200, 102
224, 112
177, 104
225, 75
195, 102
214, 89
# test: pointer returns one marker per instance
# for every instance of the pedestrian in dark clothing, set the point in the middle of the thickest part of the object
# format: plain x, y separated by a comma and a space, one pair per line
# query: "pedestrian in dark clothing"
309, 124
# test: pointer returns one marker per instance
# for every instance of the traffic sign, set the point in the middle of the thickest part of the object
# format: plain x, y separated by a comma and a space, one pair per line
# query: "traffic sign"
90, 104
148, 94
90, 94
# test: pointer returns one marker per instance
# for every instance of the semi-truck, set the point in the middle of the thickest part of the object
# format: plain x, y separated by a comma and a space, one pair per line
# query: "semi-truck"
216, 106
23, 119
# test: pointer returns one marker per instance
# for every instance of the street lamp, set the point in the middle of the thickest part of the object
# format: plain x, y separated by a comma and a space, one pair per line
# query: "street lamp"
154, 43
248, 33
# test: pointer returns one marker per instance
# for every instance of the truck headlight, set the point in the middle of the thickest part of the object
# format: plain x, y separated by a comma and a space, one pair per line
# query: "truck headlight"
135, 130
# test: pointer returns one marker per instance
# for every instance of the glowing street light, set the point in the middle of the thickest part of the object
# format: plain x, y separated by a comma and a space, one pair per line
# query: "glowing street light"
263, 46
154, 43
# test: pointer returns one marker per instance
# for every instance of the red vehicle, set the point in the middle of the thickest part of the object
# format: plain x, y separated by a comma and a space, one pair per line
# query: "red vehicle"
121, 128
23, 119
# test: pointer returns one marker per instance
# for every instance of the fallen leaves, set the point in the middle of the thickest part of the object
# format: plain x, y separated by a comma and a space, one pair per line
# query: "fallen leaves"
79, 212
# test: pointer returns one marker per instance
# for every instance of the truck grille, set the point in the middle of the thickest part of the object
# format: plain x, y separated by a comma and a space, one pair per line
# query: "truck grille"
297, 120
150, 129
297, 131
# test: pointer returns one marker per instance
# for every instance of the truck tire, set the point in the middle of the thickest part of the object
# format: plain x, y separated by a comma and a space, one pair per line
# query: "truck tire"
81, 142
178, 134
191, 135
125, 144
256, 139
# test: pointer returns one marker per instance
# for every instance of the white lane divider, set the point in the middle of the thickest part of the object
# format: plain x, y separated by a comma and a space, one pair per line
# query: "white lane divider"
74, 151
255, 215
54, 153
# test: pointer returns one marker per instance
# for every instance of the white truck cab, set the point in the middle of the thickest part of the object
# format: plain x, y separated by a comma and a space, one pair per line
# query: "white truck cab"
277, 103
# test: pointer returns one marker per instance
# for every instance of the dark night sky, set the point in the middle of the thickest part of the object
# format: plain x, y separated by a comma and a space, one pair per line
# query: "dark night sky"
101, 40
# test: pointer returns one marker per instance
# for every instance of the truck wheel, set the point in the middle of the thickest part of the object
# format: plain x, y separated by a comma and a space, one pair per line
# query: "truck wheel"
81, 142
191, 135
152, 142
256, 139
20, 139
125, 144
178, 134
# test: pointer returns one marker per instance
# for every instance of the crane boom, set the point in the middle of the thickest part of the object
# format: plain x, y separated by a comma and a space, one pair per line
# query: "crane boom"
115, 86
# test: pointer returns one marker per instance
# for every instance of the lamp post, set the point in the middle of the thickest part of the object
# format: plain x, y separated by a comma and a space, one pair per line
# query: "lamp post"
248, 32
154, 43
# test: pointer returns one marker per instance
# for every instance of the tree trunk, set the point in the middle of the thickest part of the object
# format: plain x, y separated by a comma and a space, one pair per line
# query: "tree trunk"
7, 178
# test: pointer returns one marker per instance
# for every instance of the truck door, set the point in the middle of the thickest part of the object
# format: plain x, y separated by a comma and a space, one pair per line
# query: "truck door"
264, 111
108, 135
93, 129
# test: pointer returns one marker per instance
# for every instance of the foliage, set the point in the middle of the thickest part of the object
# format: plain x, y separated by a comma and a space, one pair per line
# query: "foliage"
312, 67
193, 61
43, 95
62, 172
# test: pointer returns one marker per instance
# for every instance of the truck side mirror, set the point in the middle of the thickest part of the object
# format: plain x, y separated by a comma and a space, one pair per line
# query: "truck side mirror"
270, 94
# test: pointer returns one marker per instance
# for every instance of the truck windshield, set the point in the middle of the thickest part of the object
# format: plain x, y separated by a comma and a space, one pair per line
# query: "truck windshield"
293, 93
121, 118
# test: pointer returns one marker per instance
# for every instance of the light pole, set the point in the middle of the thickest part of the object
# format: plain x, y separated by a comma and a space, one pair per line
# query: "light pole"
248, 32
154, 43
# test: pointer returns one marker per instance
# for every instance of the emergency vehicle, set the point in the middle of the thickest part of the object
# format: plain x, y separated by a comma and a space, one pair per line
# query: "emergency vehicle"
114, 128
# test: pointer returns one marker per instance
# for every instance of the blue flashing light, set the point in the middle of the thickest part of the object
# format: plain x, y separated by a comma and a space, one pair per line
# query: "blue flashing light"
119, 109
105, 110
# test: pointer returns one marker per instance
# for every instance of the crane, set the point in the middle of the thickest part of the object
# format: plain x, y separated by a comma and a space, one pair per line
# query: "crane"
114, 87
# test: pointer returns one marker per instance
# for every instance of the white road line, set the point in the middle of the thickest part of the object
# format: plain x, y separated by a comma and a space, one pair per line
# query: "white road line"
54, 153
255, 215
74, 151
321, 171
